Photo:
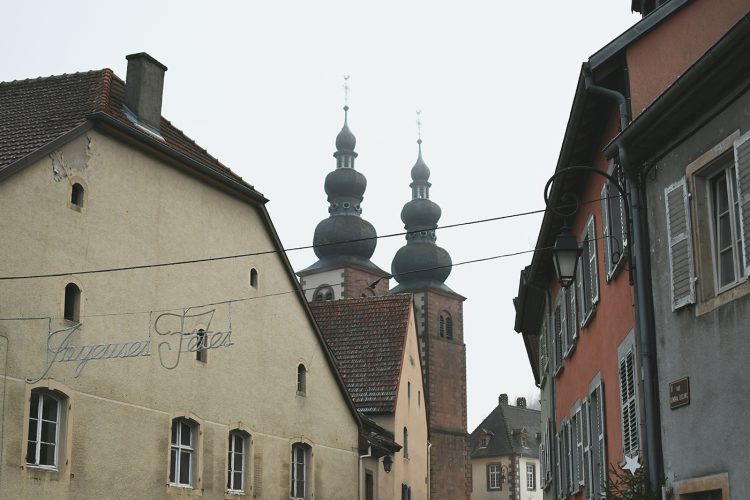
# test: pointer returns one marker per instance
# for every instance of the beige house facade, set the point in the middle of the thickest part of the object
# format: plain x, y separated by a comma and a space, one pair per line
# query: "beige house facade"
374, 340
203, 378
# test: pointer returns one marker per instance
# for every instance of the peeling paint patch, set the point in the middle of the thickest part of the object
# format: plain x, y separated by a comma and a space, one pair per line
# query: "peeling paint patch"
73, 156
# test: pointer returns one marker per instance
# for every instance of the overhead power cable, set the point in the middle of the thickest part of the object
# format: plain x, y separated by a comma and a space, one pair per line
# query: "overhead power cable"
267, 252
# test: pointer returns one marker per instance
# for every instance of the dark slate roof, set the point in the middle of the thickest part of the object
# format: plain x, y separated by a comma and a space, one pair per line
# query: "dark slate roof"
35, 112
367, 337
506, 423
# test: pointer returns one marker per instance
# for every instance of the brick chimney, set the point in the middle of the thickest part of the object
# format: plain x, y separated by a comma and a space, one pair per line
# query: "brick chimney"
503, 399
143, 88
521, 402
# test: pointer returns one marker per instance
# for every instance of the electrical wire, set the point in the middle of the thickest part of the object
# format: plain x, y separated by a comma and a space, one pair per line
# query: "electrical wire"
284, 292
283, 250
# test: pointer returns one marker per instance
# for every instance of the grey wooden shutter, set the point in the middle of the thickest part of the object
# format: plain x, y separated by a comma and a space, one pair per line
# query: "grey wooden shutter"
628, 409
572, 324
606, 230
587, 465
679, 244
593, 261
742, 169
580, 290
563, 305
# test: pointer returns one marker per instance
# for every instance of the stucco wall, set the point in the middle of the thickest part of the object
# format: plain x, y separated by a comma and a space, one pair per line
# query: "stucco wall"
136, 211
712, 348
662, 55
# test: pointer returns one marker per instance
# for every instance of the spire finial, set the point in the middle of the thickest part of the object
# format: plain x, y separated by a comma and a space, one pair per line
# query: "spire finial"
346, 93
419, 130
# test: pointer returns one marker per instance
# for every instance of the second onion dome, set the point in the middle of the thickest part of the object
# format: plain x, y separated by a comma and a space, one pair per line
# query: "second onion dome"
421, 262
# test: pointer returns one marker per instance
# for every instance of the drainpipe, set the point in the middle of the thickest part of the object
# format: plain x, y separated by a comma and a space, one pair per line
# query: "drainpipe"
362, 470
643, 311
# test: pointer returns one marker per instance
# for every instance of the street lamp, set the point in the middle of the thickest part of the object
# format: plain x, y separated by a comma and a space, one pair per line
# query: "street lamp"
566, 252
565, 255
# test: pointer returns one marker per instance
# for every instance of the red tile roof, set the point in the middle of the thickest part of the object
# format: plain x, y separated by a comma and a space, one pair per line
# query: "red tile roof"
35, 112
367, 337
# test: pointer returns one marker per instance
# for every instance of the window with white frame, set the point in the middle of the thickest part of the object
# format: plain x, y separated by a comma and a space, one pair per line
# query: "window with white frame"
46, 415
238, 452
300, 489
587, 275
530, 476
726, 233
628, 406
494, 477
613, 228
182, 453
708, 225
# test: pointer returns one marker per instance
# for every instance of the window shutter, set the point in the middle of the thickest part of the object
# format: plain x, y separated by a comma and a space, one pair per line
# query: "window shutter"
579, 292
572, 325
587, 465
742, 169
604, 469
606, 229
563, 305
679, 244
579, 446
593, 261
629, 411
558, 475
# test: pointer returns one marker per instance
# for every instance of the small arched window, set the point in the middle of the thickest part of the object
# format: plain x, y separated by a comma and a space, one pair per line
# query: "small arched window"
301, 380
201, 345
448, 327
441, 328
72, 307
323, 293
406, 443
254, 278
76, 195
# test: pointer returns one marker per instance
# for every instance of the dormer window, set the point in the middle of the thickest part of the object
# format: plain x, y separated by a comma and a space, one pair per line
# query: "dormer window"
484, 440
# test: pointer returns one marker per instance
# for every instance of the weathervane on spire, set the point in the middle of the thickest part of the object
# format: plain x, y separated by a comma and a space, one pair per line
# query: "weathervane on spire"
346, 91
419, 126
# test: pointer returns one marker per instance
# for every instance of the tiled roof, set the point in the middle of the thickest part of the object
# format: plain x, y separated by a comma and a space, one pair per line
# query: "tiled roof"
506, 422
367, 337
35, 112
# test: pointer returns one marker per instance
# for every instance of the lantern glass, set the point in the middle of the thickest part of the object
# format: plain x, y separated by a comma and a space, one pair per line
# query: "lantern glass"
565, 256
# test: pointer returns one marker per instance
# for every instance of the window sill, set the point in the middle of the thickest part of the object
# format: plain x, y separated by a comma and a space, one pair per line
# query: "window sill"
301, 394
570, 350
725, 297
589, 316
45, 468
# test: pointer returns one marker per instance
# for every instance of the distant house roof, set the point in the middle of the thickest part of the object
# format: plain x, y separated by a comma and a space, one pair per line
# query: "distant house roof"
507, 422
36, 112
367, 337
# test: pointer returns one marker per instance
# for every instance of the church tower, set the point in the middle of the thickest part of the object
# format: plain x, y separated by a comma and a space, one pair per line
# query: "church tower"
344, 242
421, 268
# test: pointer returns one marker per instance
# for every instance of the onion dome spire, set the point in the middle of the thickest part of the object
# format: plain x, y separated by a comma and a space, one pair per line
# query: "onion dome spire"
421, 262
345, 188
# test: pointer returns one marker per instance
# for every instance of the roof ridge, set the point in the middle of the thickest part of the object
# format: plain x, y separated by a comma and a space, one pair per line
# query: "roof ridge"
51, 77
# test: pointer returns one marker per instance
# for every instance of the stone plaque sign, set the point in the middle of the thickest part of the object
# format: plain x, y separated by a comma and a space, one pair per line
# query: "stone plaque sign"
679, 393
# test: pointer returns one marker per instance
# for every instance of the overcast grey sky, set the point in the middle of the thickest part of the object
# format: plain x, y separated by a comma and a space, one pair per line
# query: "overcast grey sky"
259, 84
